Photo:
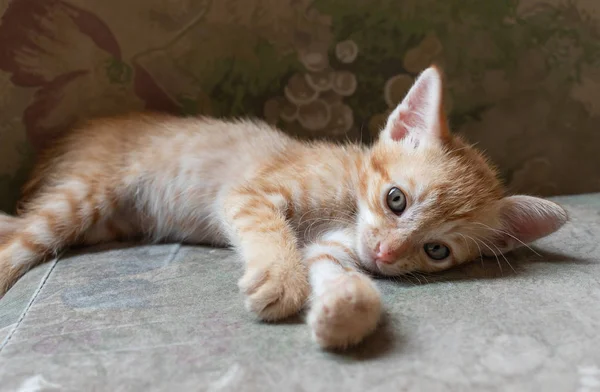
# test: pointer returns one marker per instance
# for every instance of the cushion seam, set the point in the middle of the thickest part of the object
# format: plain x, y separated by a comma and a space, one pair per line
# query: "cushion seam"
29, 304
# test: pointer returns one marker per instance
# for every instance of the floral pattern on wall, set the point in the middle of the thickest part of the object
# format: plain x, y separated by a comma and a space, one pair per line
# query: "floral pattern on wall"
523, 76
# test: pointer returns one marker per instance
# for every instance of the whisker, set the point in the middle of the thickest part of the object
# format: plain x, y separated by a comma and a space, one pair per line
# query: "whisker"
334, 211
422, 275
507, 262
504, 257
466, 243
491, 250
510, 235
478, 248
316, 222
404, 278
412, 275
328, 219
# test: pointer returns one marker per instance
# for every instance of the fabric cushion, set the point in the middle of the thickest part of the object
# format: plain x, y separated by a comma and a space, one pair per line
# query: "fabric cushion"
169, 317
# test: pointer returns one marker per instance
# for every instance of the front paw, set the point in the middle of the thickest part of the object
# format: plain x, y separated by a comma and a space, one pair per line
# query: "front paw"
275, 291
346, 312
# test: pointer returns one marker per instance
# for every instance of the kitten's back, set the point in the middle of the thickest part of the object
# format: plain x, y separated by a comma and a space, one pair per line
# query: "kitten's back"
133, 145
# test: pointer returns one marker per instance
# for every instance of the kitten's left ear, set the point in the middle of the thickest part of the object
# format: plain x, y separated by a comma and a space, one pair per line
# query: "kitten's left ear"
525, 219
420, 115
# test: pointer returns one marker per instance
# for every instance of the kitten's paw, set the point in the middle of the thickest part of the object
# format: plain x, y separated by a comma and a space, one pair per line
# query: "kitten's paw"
346, 313
275, 291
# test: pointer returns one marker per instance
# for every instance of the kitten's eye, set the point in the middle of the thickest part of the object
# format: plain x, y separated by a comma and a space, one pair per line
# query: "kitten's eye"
437, 251
396, 201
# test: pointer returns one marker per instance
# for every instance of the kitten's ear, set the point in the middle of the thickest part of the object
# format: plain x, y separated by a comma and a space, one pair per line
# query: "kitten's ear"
525, 219
420, 115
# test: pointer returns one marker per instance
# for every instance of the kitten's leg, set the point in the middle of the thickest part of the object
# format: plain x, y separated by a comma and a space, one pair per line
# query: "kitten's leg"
345, 304
275, 281
8, 226
53, 221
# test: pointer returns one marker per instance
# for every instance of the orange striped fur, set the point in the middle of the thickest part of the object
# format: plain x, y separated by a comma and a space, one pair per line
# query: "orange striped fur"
306, 218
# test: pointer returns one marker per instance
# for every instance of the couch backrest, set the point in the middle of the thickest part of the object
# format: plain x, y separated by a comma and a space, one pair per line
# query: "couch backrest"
523, 76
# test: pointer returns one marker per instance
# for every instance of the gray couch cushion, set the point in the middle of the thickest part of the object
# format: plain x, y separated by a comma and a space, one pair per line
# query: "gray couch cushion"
169, 317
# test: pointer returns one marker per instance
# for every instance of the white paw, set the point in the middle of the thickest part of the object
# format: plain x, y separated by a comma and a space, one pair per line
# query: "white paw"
347, 312
275, 291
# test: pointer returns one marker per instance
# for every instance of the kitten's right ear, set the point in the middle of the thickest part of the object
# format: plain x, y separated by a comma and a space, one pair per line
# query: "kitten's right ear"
525, 219
420, 116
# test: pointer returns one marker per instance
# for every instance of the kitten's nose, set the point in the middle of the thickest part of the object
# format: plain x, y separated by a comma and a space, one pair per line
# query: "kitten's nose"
385, 253
388, 254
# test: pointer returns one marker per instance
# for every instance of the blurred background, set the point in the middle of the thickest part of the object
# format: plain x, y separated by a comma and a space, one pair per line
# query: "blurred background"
523, 76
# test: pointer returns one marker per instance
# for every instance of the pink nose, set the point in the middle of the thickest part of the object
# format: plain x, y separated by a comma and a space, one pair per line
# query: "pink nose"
387, 254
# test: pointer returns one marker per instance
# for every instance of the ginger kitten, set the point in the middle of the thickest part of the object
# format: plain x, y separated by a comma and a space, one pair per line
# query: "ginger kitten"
306, 218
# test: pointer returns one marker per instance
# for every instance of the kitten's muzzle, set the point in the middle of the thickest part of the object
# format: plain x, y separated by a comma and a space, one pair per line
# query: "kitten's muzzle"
386, 253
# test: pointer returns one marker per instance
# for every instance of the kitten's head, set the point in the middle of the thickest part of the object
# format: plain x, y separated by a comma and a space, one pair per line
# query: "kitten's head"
429, 201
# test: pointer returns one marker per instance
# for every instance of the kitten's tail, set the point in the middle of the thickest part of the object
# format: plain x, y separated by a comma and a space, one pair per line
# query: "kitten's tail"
8, 226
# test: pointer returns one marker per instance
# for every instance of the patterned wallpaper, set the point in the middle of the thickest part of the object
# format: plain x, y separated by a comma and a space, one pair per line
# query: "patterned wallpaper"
523, 75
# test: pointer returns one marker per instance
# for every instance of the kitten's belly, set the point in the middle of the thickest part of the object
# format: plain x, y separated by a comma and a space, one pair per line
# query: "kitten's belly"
198, 228
191, 222
180, 194
179, 209
204, 234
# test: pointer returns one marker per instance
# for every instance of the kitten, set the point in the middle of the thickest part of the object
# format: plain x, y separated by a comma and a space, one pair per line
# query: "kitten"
306, 218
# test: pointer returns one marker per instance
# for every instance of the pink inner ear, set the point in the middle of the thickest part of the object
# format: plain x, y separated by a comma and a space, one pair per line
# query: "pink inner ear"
418, 97
418, 111
526, 228
409, 117
399, 130
529, 218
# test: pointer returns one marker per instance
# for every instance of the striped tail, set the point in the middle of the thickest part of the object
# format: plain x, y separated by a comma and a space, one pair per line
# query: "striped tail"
55, 220
9, 225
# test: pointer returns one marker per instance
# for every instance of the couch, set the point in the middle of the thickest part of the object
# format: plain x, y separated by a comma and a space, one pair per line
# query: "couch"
169, 317
522, 82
